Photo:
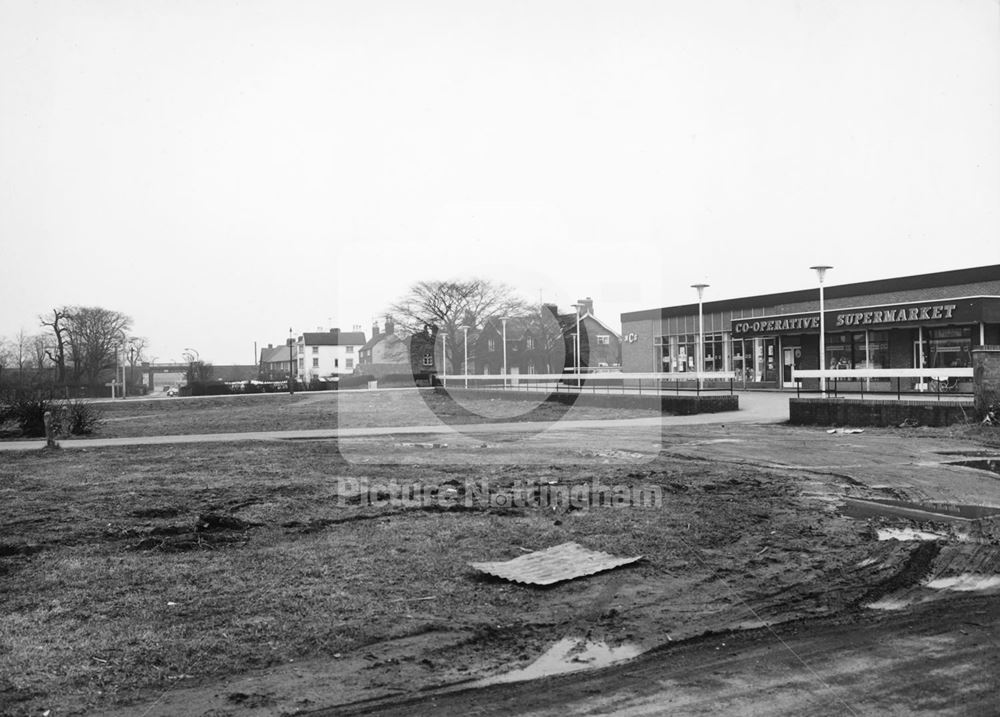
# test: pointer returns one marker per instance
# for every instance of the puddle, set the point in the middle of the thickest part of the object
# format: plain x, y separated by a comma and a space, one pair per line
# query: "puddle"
965, 583
986, 464
568, 655
888, 604
878, 507
985, 454
907, 534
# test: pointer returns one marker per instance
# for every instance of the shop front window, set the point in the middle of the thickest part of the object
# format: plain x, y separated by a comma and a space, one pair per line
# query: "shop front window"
740, 367
950, 347
714, 353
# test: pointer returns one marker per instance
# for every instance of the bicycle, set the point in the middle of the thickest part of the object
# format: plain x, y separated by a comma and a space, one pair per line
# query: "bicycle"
942, 384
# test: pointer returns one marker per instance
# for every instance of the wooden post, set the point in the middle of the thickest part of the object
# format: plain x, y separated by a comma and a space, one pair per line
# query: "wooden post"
50, 439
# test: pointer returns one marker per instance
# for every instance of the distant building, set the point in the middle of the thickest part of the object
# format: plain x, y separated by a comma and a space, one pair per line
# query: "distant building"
545, 342
387, 353
275, 362
327, 354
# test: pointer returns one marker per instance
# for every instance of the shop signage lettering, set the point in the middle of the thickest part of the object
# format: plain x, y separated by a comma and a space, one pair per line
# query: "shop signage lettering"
883, 316
890, 316
771, 325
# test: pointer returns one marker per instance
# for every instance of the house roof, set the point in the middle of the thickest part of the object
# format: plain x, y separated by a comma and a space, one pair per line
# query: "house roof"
954, 277
276, 354
333, 338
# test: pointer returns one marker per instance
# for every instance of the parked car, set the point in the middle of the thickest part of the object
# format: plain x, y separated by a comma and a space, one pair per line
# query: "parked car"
173, 391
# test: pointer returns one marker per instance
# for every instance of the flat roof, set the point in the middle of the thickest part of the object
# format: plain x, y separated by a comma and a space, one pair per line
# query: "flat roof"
953, 277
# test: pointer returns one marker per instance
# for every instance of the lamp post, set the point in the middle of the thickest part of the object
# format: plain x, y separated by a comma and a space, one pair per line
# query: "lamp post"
576, 344
465, 342
821, 273
700, 354
291, 364
504, 339
444, 354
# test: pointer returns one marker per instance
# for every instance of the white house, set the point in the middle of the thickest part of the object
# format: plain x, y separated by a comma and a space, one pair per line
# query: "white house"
324, 354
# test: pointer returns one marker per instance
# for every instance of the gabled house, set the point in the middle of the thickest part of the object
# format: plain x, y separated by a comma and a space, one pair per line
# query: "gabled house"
600, 345
387, 353
545, 342
275, 362
327, 354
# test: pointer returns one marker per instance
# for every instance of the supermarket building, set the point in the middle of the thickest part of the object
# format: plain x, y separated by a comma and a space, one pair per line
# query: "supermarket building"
923, 321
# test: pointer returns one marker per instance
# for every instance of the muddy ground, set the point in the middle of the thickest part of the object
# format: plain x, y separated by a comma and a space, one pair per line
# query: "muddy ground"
241, 580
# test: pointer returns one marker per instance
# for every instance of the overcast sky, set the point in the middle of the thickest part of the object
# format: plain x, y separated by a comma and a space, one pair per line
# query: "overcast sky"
222, 171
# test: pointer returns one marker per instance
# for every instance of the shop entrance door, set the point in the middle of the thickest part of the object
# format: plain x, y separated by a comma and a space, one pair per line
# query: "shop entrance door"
788, 362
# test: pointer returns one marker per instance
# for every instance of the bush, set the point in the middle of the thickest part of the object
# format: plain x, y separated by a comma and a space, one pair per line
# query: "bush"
29, 414
79, 418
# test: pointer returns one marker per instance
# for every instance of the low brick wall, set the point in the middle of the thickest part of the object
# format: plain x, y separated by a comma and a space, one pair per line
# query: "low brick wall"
855, 412
679, 405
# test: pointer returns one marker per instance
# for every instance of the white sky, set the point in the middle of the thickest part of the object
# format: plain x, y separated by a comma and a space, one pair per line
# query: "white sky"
224, 170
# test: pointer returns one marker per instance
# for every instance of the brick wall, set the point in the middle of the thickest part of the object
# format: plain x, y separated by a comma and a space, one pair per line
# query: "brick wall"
639, 356
854, 412
680, 405
986, 365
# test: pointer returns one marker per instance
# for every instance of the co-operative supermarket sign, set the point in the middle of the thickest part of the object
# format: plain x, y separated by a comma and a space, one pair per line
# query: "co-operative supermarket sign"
874, 317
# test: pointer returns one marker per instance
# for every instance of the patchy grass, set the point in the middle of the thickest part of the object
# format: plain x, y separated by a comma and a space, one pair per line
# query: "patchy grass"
349, 409
128, 570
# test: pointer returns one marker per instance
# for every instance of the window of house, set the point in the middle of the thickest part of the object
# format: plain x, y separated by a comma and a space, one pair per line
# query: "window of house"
491, 344
349, 363
428, 360
603, 340
336, 363
529, 343
302, 363
350, 349
315, 350
315, 363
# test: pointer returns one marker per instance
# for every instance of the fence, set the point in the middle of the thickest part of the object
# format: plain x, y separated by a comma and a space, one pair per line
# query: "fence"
597, 382
858, 380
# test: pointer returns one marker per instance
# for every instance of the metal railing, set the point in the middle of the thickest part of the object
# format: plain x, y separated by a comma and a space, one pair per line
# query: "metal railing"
597, 382
929, 380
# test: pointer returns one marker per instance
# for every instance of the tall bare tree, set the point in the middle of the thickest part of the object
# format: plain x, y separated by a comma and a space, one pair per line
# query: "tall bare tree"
96, 337
6, 356
446, 306
60, 338
135, 351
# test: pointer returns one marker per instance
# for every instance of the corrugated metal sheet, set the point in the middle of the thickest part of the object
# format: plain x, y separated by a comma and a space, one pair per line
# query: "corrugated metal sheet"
553, 565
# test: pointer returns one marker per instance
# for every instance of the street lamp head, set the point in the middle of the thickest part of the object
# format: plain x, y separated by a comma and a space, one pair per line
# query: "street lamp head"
820, 271
700, 288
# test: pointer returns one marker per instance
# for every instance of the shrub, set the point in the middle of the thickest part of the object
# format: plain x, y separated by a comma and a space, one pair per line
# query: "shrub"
29, 414
79, 418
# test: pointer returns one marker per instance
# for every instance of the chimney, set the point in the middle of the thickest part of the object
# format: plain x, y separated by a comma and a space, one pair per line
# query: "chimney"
586, 306
390, 327
334, 331
374, 329
270, 346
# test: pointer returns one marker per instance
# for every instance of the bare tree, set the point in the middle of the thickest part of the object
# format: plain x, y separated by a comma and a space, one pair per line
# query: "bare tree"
6, 356
446, 306
59, 325
22, 353
94, 336
135, 352
39, 351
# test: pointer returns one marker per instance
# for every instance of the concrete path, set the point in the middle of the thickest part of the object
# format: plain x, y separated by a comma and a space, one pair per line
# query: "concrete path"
754, 408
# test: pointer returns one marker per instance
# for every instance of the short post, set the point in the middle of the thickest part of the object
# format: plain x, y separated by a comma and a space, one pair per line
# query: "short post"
50, 439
